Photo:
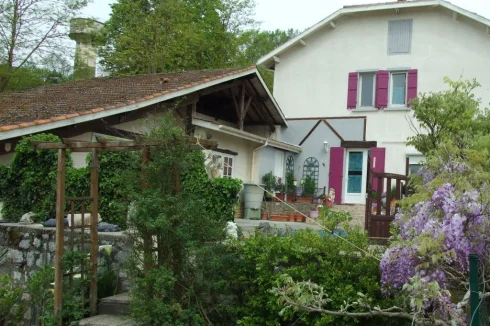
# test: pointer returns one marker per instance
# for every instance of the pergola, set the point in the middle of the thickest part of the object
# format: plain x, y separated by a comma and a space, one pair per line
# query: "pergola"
101, 145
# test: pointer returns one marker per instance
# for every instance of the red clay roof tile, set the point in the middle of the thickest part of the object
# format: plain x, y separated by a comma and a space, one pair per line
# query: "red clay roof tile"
68, 100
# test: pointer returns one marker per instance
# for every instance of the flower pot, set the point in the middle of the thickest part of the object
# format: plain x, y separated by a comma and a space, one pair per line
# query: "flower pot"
292, 217
265, 216
298, 218
279, 197
304, 200
285, 217
279, 217
314, 214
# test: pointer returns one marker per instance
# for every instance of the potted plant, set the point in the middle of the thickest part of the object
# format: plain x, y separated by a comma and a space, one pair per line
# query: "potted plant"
290, 186
270, 182
308, 190
315, 211
280, 192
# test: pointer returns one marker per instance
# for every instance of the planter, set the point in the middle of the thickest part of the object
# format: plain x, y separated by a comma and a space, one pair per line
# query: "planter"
304, 200
279, 217
292, 217
279, 197
299, 218
314, 214
265, 216
252, 200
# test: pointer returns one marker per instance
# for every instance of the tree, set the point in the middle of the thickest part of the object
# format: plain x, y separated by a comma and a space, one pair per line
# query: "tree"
30, 30
450, 114
161, 36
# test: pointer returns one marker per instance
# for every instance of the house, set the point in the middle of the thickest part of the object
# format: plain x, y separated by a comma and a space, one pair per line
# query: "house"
369, 61
230, 106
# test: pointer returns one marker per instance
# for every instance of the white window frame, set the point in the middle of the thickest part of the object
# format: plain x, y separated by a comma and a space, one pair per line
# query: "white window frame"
359, 90
390, 89
222, 159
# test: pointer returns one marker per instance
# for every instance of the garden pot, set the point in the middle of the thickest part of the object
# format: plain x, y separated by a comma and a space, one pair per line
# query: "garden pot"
304, 200
317, 201
314, 214
265, 216
285, 217
275, 217
292, 217
279, 197
298, 218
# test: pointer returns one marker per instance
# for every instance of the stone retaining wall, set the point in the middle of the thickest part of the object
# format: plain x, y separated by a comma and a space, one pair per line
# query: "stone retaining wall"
26, 248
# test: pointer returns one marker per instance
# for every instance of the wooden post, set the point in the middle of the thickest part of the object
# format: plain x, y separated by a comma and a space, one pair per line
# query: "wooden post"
94, 212
60, 226
147, 239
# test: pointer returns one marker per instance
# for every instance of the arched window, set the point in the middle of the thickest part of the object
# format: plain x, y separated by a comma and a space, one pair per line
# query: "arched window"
311, 170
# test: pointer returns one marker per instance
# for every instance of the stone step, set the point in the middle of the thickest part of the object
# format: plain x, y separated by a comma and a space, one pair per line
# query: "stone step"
115, 305
106, 320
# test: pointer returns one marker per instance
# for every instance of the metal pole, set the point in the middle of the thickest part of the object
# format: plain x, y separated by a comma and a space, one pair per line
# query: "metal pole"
94, 215
474, 291
60, 225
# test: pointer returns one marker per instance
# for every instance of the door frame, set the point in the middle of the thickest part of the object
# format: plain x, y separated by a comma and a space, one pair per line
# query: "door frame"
355, 198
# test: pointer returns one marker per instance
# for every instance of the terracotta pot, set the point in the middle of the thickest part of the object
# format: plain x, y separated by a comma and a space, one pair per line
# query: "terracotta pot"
264, 216
304, 200
292, 217
298, 218
285, 217
276, 217
279, 197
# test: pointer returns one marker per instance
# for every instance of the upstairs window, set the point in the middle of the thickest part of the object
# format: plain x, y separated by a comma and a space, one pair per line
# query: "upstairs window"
400, 36
398, 89
366, 89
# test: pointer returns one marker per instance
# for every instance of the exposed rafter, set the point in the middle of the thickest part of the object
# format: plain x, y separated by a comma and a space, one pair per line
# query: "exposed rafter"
302, 42
332, 24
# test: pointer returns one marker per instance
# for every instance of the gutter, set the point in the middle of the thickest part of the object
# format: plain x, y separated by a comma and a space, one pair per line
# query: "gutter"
253, 157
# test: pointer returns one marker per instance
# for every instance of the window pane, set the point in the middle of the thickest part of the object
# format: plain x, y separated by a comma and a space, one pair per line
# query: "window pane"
414, 168
399, 88
354, 179
367, 86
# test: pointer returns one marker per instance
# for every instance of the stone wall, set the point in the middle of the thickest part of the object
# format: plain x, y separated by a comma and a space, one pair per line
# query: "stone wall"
26, 248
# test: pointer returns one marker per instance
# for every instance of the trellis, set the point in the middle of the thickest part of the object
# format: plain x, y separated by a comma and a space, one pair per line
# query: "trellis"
290, 164
311, 168
101, 145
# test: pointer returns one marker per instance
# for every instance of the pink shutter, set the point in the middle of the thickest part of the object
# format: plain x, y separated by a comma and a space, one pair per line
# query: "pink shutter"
382, 82
352, 90
377, 162
336, 175
412, 85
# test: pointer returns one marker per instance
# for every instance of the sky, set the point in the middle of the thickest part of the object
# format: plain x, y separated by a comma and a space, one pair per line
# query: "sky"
297, 14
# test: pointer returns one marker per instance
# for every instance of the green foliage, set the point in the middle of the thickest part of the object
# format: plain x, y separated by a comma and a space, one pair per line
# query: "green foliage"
30, 77
194, 35
309, 186
11, 310
290, 188
334, 220
31, 180
452, 114
270, 181
186, 213
330, 262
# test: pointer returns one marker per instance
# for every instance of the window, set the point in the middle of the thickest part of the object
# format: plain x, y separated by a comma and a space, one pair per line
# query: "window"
400, 36
366, 90
398, 88
414, 168
225, 163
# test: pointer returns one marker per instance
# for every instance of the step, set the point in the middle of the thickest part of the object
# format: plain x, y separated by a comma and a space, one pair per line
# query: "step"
106, 320
115, 305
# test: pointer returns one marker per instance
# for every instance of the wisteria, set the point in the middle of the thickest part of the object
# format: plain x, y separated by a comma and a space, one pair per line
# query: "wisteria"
435, 240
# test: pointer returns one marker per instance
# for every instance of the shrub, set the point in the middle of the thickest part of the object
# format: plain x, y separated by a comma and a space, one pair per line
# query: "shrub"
338, 267
10, 307
31, 180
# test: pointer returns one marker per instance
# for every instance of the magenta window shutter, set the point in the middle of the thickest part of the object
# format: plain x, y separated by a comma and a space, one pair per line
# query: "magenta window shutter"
412, 80
378, 155
382, 82
352, 90
336, 175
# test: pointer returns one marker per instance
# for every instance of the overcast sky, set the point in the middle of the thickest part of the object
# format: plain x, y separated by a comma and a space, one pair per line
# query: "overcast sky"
297, 14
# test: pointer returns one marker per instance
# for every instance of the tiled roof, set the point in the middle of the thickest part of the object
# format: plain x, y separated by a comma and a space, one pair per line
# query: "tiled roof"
72, 99
383, 3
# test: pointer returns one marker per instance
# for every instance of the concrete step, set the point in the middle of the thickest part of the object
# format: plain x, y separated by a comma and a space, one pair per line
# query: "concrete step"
106, 320
115, 305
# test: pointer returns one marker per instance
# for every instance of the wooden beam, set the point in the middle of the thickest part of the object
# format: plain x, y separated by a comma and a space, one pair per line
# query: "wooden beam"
332, 24
218, 88
276, 59
488, 29
455, 15
302, 42
60, 225
94, 237
260, 103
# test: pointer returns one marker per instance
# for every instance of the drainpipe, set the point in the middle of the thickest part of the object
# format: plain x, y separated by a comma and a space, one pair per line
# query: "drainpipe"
253, 157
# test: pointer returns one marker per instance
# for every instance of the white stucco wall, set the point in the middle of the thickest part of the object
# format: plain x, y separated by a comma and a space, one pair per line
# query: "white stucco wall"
311, 81
244, 149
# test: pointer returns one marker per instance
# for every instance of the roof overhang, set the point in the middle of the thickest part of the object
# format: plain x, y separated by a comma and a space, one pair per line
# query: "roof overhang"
246, 135
270, 59
271, 104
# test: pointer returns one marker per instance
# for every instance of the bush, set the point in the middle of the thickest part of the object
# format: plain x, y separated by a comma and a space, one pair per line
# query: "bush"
11, 308
30, 181
262, 260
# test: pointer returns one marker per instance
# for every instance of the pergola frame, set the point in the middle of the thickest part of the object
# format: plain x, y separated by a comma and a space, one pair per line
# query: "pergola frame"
101, 145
